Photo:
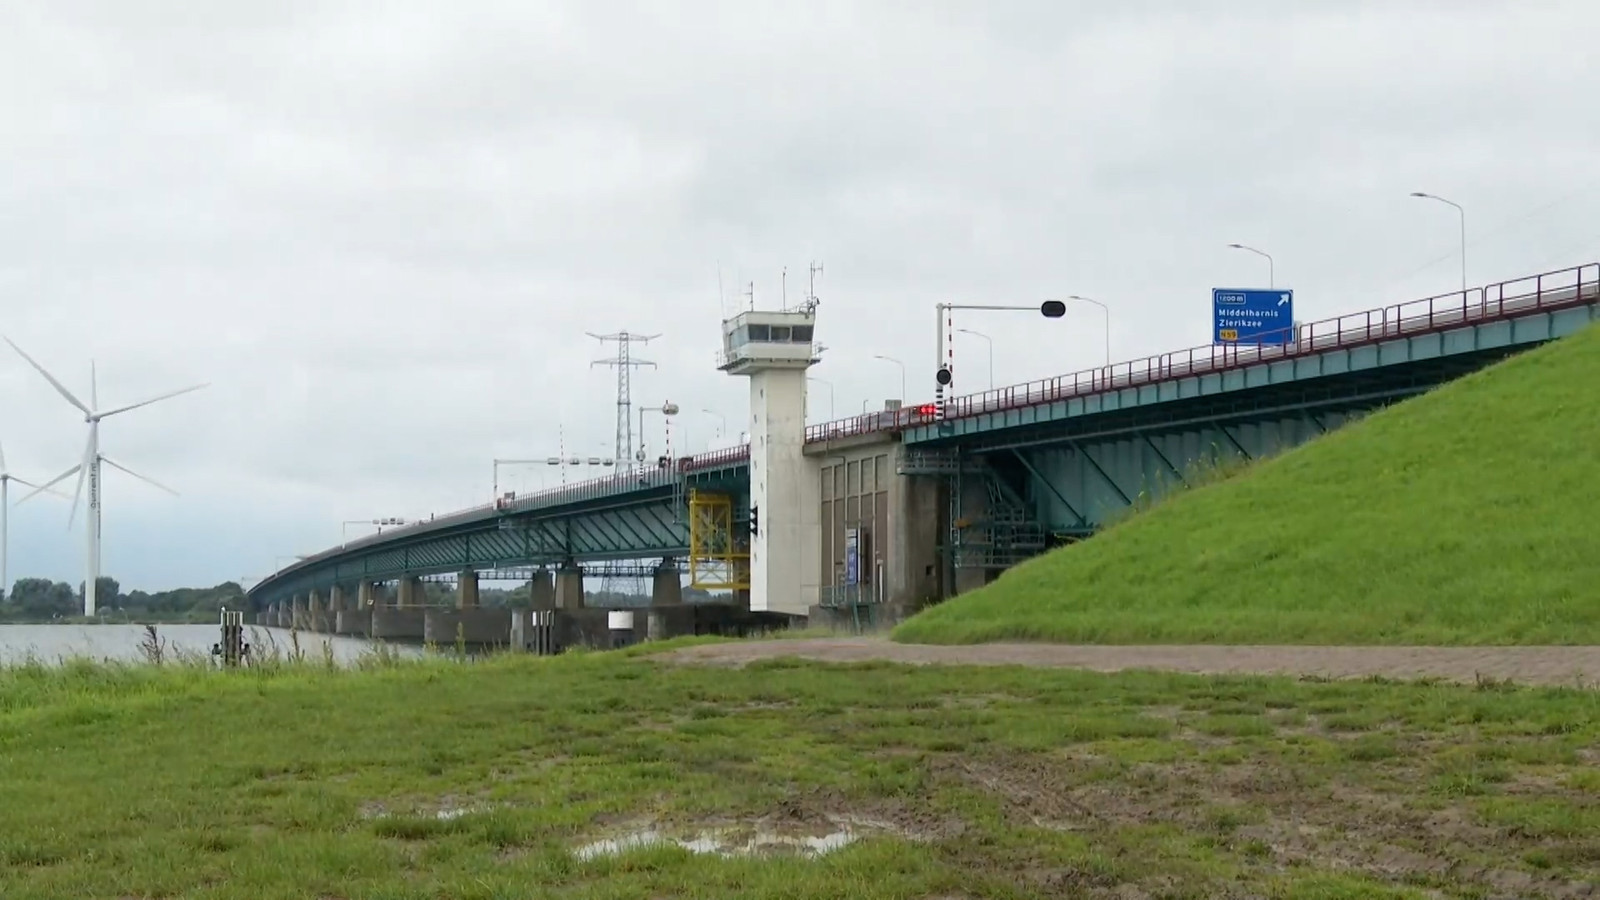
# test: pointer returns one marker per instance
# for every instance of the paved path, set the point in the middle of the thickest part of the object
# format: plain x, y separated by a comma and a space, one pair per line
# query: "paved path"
1569, 666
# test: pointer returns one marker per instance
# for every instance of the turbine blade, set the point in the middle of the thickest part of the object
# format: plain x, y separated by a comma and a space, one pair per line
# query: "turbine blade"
46, 489
168, 396
83, 472
52, 379
94, 386
2, 458
47, 485
109, 461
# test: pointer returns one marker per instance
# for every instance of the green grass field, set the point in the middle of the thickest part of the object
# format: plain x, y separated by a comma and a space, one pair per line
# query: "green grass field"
1464, 516
440, 779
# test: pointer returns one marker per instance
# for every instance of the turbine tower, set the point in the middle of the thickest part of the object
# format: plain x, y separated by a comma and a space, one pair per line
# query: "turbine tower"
90, 466
5, 511
624, 364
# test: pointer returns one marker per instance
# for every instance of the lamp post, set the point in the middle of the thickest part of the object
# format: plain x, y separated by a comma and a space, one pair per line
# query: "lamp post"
1463, 215
902, 372
829, 384
1050, 309
1105, 311
722, 429
667, 410
987, 340
1258, 253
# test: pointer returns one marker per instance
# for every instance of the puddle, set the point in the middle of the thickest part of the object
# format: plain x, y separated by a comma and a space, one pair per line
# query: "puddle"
443, 813
723, 842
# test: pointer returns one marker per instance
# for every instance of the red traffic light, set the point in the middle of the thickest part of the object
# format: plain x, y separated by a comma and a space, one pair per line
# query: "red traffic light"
927, 409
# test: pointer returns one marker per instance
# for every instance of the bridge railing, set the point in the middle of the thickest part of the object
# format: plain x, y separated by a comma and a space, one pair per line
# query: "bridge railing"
1558, 288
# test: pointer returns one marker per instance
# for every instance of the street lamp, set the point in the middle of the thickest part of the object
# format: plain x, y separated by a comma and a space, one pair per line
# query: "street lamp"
988, 341
1258, 253
1463, 214
830, 393
666, 409
1106, 312
1050, 309
902, 372
722, 429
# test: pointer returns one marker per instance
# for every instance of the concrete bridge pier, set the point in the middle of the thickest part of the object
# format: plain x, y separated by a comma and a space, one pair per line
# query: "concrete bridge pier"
404, 621
467, 590
668, 616
542, 591
297, 613
473, 624
409, 592
569, 587
366, 595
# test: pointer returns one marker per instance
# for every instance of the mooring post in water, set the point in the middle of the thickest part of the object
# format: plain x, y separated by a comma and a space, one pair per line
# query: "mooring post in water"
232, 648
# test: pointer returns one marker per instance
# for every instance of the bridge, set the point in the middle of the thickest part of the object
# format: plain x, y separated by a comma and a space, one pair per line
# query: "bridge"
912, 505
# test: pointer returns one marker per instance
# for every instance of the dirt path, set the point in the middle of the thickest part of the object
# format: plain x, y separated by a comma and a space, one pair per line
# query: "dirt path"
1569, 666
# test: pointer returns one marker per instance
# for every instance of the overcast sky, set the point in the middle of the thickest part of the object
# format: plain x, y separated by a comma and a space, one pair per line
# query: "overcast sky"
381, 230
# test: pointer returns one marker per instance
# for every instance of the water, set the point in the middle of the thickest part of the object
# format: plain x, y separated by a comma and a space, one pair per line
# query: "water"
721, 843
52, 643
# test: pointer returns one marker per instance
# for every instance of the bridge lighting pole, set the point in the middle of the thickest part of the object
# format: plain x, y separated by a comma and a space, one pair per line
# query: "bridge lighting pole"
722, 429
1258, 253
1463, 215
987, 340
902, 372
944, 375
1105, 311
667, 410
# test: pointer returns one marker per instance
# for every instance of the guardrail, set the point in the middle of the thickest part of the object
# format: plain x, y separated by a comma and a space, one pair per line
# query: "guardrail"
1559, 288
1562, 287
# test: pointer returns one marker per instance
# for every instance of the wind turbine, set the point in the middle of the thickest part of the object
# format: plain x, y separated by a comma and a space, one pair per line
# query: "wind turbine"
5, 511
90, 466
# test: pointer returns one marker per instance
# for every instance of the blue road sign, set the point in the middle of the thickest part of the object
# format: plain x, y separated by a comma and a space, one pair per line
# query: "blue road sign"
1252, 316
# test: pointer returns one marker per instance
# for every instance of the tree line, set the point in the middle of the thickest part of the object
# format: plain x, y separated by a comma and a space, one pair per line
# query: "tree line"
43, 600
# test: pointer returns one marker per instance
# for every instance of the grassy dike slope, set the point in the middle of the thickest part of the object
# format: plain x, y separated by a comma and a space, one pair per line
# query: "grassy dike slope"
1468, 515
481, 781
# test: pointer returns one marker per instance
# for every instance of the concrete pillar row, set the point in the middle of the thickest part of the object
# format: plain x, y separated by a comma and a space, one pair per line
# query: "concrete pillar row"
335, 599
366, 595
467, 590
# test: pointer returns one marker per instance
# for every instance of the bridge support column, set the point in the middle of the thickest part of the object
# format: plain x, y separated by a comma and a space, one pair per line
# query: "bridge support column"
335, 600
542, 591
569, 587
297, 613
467, 590
410, 592
366, 595
667, 615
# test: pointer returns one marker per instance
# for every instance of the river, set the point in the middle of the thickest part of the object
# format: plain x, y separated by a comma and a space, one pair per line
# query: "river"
52, 643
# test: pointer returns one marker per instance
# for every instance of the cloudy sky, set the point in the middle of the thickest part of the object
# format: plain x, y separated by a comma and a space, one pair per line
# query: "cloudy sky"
381, 230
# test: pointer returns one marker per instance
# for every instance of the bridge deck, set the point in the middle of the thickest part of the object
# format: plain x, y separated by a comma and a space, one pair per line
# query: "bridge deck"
1153, 379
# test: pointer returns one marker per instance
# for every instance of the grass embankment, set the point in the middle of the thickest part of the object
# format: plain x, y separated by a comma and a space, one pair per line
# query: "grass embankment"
1463, 516
441, 779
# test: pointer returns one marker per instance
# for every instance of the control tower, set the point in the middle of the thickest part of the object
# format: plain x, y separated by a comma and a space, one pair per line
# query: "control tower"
775, 348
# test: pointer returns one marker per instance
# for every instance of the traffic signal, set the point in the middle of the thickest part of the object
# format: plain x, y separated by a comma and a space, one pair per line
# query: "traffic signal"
1052, 309
754, 527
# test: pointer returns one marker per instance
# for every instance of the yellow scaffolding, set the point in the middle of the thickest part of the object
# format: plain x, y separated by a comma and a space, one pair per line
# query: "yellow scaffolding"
717, 561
